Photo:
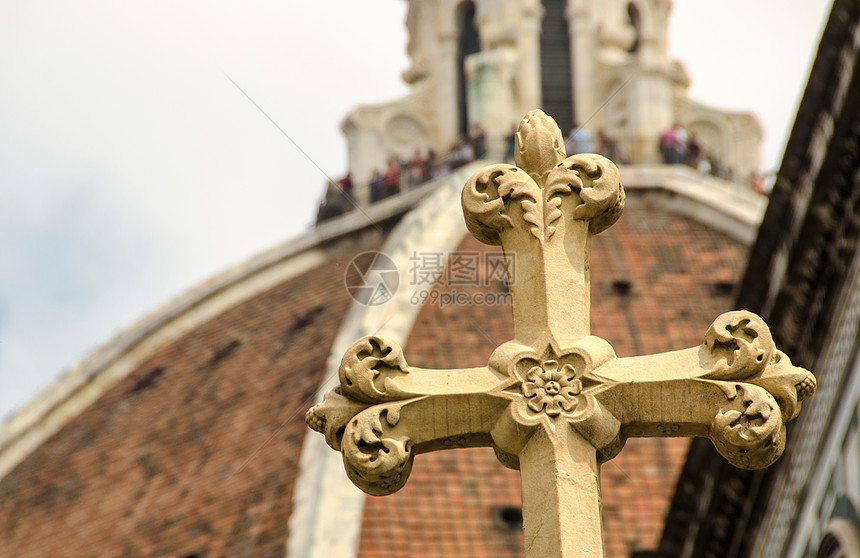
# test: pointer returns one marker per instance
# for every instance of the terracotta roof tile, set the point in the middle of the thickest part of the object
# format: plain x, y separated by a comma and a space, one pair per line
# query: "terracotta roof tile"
197, 449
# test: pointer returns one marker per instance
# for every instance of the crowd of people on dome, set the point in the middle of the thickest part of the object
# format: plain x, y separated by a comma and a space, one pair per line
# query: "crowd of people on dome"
580, 140
677, 147
404, 174
761, 183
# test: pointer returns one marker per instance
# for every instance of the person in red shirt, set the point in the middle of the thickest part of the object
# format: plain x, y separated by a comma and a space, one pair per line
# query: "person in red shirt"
391, 180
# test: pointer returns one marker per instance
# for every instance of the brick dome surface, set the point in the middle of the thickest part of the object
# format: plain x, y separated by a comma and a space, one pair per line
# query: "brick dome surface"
196, 452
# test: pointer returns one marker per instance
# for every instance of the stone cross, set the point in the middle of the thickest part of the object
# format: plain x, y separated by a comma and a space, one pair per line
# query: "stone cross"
556, 402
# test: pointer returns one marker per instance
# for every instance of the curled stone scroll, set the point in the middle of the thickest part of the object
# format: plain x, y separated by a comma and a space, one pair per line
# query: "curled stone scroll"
377, 461
367, 368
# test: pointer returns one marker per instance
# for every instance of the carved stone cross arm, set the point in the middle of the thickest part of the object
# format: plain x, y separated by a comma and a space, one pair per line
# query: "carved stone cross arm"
385, 412
736, 389
555, 401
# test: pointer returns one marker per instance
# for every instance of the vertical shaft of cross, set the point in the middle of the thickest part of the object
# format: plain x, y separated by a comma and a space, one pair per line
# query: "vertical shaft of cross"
561, 496
550, 286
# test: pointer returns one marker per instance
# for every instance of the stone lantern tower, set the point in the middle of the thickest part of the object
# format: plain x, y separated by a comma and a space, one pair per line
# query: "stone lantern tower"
598, 64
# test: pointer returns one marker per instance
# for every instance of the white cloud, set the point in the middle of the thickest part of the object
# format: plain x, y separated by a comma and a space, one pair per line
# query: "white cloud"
131, 168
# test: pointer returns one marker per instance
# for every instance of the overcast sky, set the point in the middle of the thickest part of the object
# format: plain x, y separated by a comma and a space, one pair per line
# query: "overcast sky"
131, 168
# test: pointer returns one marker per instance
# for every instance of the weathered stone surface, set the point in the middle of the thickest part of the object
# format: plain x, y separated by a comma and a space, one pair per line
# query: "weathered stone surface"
555, 402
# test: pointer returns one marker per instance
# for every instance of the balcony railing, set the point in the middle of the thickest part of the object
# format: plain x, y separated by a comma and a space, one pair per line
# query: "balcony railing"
342, 196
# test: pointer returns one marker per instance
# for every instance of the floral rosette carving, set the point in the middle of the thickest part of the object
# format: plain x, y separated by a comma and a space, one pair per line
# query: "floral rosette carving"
559, 386
551, 388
